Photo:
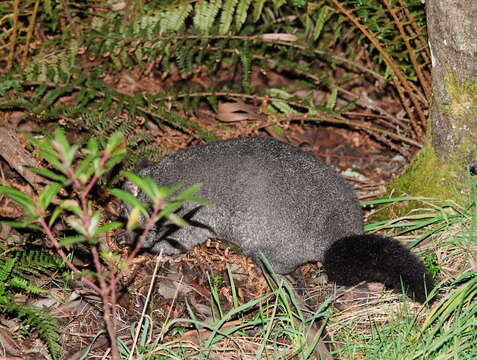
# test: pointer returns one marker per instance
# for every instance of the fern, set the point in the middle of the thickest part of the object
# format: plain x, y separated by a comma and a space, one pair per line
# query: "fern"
56, 67
35, 262
226, 16
205, 15
44, 323
241, 14
246, 64
6, 269
257, 9
210, 35
15, 269
324, 14
173, 20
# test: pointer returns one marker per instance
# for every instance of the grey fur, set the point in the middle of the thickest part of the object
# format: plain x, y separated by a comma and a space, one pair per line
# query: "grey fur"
267, 195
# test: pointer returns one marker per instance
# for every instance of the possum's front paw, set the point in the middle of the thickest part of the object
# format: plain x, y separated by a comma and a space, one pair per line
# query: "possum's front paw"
125, 238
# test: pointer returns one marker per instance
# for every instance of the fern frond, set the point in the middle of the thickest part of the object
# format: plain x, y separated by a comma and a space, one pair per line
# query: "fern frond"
6, 269
173, 20
322, 17
246, 61
257, 9
281, 106
23, 284
205, 14
241, 14
226, 16
13, 277
45, 324
35, 262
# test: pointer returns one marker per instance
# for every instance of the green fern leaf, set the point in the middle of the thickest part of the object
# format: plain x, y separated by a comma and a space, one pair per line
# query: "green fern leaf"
172, 21
226, 16
257, 9
24, 285
45, 324
323, 15
6, 269
205, 14
246, 61
241, 14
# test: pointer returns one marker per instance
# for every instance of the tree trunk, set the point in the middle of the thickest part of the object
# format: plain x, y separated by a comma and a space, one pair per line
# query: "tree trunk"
450, 147
452, 29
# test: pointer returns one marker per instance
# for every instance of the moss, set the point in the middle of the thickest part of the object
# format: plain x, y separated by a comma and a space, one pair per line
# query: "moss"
463, 100
462, 111
426, 176
442, 177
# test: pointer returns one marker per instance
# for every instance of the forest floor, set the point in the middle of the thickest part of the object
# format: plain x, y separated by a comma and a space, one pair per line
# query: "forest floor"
214, 279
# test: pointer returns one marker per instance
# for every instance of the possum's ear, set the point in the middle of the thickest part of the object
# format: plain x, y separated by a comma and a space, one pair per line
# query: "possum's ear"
143, 163
131, 188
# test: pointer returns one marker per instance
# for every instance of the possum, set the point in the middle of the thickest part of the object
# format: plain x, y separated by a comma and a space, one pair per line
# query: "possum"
271, 197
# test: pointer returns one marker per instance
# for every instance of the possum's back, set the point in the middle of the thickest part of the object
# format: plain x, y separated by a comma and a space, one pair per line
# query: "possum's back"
267, 195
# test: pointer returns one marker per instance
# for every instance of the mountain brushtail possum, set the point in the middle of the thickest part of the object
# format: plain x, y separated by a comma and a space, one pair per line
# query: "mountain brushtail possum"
271, 196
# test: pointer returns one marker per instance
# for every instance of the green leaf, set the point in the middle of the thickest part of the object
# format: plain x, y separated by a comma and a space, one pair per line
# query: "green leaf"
47, 195
58, 210
257, 9
42, 144
331, 100
28, 222
73, 206
116, 144
165, 192
48, 174
226, 16
84, 169
71, 240
139, 181
176, 219
92, 147
61, 140
52, 158
151, 189
94, 223
188, 194
20, 198
6, 269
77, 224
134, 219
113, 161
71, 154
242, 12
323, 15
23, 284
128, 199
111, 226
169, 208
213, 102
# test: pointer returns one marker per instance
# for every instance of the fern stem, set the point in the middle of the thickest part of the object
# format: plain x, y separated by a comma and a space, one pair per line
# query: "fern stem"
399, 80
13, 38
31, 27
326, 116
410, 50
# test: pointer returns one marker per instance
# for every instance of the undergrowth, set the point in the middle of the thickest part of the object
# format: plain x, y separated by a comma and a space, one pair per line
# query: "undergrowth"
19, 270
223, 44
447, 329
67, 63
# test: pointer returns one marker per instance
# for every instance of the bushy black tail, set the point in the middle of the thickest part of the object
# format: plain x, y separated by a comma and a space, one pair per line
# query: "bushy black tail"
353, 259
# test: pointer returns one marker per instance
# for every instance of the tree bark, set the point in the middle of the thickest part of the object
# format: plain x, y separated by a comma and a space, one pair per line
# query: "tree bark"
452, 29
